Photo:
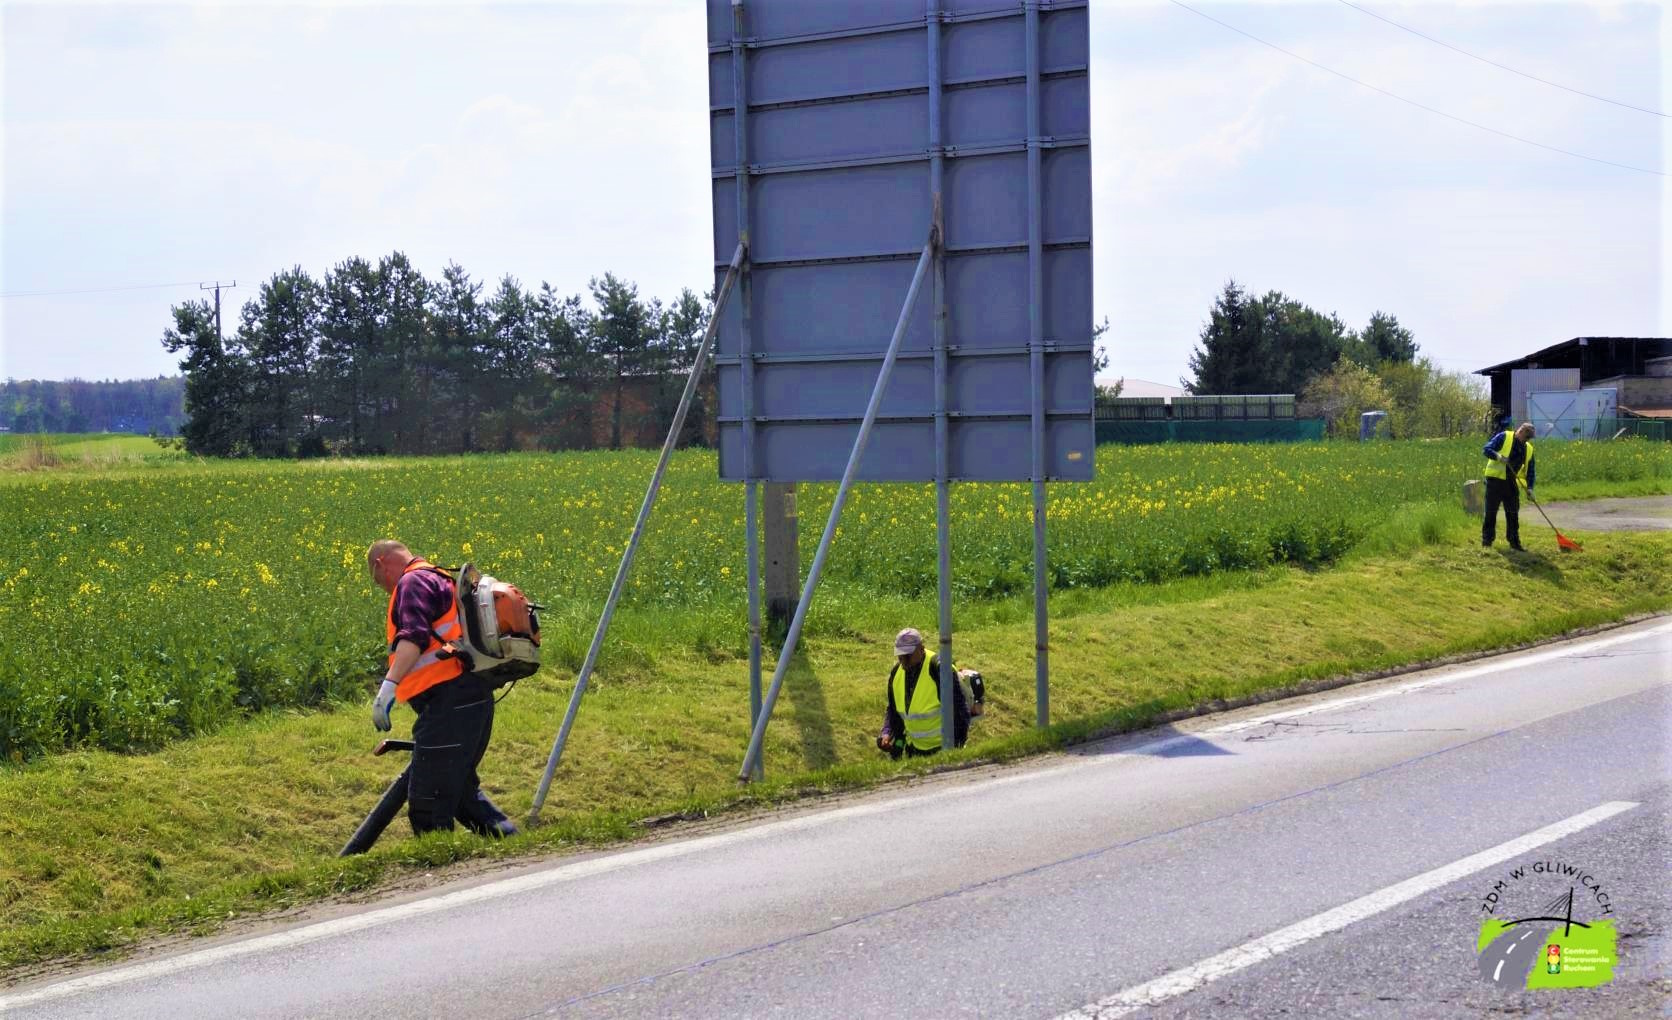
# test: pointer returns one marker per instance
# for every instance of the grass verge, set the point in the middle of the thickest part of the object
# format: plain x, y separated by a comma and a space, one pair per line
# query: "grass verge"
99, 850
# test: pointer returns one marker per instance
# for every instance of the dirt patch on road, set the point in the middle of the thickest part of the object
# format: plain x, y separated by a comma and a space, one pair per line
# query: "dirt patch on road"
1638, 513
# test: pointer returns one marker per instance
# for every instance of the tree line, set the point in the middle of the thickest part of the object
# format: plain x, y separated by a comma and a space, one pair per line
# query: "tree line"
1273, 343
376, 358
154, 406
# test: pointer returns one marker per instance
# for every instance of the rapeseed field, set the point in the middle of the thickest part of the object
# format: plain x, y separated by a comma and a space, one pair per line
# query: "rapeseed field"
146, 606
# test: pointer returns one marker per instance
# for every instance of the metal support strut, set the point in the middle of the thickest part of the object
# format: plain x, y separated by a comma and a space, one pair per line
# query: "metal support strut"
756, 739
638, 532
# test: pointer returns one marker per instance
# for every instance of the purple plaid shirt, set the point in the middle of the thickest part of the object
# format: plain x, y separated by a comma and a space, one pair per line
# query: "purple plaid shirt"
421, 597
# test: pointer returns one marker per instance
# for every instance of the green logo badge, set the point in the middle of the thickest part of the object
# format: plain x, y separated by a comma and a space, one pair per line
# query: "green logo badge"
1547, 947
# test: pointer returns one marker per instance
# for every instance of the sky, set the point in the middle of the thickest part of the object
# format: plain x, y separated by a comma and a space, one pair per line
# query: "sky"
144, 145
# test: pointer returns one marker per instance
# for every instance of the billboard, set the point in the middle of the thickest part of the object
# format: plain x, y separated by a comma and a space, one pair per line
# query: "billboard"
850, 114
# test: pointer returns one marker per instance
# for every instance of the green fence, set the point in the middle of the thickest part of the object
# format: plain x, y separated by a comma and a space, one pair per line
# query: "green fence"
1131, 408
1603, 428
1281, 430
1211, 407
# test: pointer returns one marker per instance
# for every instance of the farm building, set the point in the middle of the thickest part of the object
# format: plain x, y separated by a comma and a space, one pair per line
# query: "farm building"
1587, 377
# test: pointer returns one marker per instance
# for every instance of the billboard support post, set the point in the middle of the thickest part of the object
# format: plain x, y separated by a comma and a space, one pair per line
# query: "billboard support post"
746, 349
943, 526
752, 535
1036, 362
752, 759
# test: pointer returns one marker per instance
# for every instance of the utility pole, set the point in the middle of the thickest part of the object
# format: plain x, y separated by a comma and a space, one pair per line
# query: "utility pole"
216, 287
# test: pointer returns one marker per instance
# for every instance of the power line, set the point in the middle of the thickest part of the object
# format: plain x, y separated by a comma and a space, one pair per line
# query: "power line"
98, 290
1503, 67
1412, 102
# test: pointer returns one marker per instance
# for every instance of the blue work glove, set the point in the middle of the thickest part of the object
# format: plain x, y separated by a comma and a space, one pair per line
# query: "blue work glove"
381, 705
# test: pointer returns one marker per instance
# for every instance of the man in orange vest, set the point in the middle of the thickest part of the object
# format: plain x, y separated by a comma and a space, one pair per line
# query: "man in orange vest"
455, 709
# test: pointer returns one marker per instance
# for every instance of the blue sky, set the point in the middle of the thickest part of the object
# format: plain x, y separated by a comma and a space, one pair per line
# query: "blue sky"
148, 144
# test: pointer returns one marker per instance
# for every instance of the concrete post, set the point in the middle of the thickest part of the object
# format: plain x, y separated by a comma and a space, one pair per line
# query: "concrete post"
783, 555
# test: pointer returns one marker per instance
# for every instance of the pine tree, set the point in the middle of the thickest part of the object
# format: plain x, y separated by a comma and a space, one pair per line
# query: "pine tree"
216, 383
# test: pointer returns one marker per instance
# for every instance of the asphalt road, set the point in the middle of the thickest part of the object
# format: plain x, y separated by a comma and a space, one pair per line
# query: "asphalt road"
1631, 513
1320, 857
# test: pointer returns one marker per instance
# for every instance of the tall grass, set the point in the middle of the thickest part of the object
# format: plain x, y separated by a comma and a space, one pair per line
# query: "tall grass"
35, 454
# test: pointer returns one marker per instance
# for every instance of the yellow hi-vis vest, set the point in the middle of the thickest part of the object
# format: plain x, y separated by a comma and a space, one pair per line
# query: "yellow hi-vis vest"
923, 715
1500, 468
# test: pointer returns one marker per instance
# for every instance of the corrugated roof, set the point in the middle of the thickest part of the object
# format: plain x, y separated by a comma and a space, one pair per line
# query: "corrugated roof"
1554, 348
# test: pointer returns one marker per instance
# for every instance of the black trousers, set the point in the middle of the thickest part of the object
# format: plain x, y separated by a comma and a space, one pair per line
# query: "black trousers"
1504, 492
450, 736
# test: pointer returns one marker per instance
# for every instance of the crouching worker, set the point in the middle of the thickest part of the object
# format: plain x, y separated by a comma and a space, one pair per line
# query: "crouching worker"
912, 724
455, 708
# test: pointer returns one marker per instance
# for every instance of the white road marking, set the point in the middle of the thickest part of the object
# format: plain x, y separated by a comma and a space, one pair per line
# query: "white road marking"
647, 855
1511, 948
1494, 666
1188, 979
1499, 969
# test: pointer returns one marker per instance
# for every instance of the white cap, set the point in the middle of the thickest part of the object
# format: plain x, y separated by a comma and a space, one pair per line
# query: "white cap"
907, 641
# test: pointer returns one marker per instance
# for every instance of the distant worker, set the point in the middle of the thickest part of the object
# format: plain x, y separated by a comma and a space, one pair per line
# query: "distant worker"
912, 725
1509, 458
455, 708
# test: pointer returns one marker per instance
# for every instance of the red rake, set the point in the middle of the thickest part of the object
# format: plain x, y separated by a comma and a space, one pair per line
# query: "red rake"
1563, 542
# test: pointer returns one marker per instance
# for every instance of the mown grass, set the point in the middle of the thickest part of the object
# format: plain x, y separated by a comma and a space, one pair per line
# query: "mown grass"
98, 849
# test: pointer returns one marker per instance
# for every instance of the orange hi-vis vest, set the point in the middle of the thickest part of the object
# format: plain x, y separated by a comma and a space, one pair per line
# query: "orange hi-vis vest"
436, 664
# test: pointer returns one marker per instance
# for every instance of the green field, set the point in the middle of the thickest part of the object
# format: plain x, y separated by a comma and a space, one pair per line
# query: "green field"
192, 645
26, 452
151, 604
